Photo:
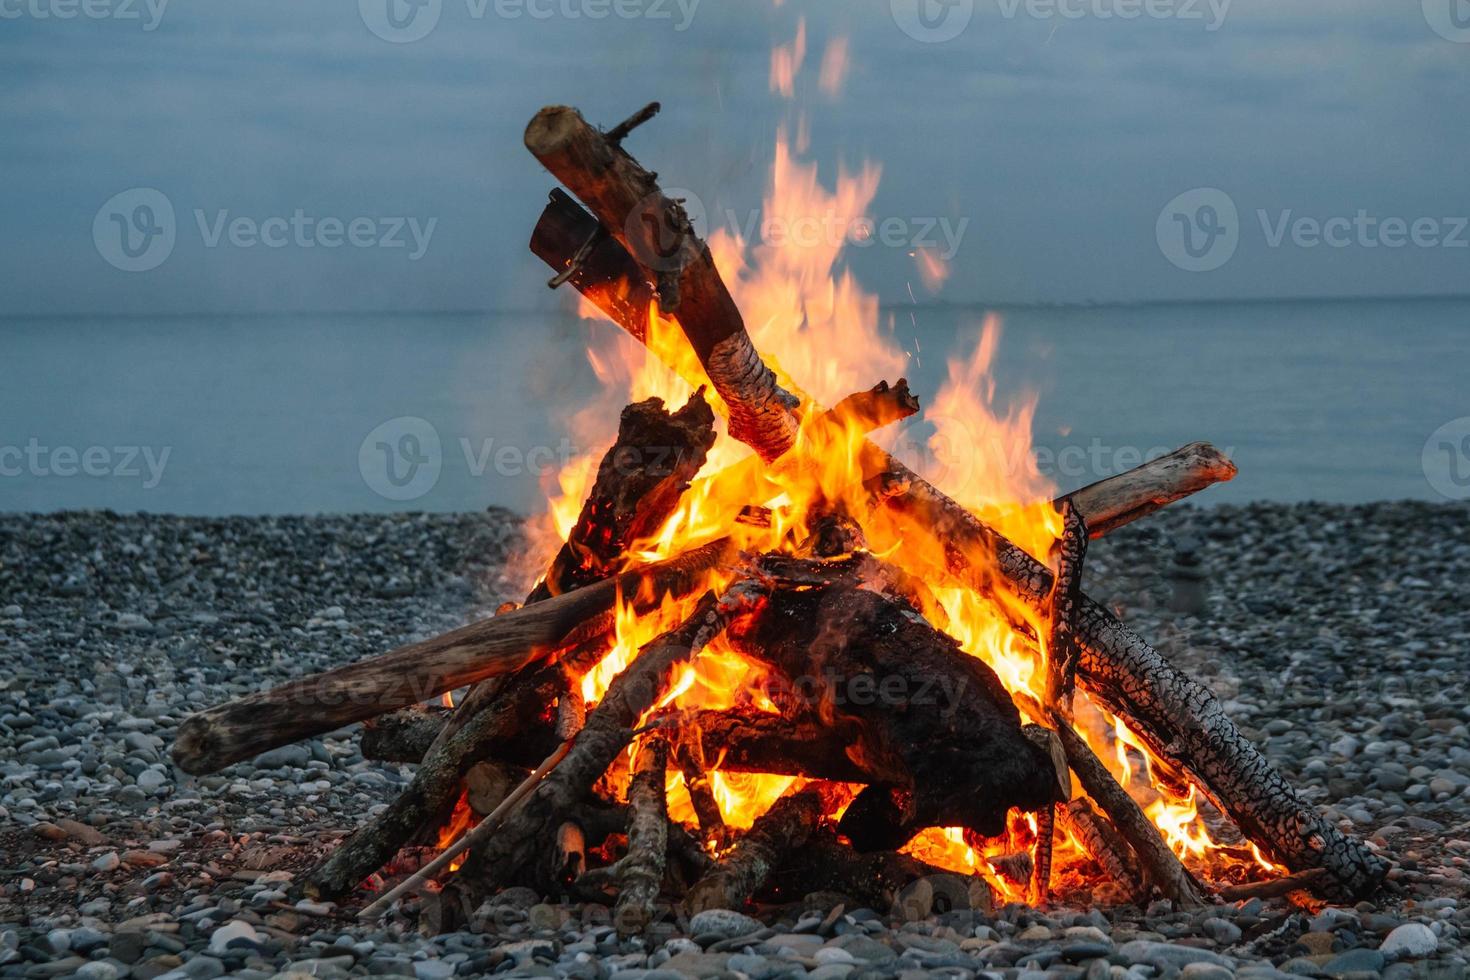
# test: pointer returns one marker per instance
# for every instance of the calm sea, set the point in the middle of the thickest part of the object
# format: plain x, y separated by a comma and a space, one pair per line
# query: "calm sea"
1329, 401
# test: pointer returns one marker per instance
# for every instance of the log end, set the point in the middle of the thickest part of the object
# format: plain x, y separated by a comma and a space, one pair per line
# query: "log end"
553, 128
196, 749
1211, 462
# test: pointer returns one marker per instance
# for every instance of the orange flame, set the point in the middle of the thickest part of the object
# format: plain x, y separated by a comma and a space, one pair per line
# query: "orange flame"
815, 324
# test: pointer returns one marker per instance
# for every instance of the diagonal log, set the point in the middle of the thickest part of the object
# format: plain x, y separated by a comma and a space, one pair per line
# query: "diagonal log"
627, 200
215, 738
1159, 863
776, 835
1179, 719
1102, 842
608, 730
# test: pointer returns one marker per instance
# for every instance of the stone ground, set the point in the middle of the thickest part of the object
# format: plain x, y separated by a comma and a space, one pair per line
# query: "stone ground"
1339, 638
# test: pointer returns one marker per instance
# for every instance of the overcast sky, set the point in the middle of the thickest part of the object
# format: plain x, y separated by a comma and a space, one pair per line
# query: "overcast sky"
1052, 132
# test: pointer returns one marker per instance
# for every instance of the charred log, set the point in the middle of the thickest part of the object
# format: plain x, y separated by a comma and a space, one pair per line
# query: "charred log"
879, 880
1103, 844
638, 485
608, 729
641, 871
943, 713
777, 834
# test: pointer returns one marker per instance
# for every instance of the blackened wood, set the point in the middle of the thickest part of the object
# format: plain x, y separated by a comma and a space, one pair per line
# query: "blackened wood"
1160, 864
875, 880
212, 739
1063, 606
404, 735
689, 755
641, 871
607, 731
775, 836
1046, 828
603, 270
638, 485
747, 740
657, 232
1102, 842
942, 712
439, 779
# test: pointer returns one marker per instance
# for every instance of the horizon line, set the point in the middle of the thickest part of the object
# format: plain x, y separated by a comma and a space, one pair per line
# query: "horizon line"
937, 304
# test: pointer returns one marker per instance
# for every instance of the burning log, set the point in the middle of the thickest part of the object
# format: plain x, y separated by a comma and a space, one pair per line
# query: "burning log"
943, 713
627, 200
1180, 720
436, 784
877, 880
692, 764
800, 744
638, 485
780, 832
608, 730
639, 482
1159, 863
1109, 504
641, 872
215, 738
1102, 842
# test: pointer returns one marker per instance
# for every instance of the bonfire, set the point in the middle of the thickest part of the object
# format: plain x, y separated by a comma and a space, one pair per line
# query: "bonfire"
769, 657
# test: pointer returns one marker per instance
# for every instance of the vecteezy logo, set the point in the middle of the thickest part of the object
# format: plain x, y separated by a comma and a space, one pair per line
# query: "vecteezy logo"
932, 21
135, 230
1199, 230
400, 21
1450, 19
401, 459
1446, 459
656, 230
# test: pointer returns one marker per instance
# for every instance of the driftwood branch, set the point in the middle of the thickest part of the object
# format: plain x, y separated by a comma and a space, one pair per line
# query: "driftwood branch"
212, 739
656, 231
1109, 504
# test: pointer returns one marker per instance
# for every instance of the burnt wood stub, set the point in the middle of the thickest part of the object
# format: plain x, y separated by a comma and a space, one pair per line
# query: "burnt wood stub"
638, 485
851, 652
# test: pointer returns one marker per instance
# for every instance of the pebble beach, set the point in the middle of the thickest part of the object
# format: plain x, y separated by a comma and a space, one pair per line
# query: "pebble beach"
1338, 638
